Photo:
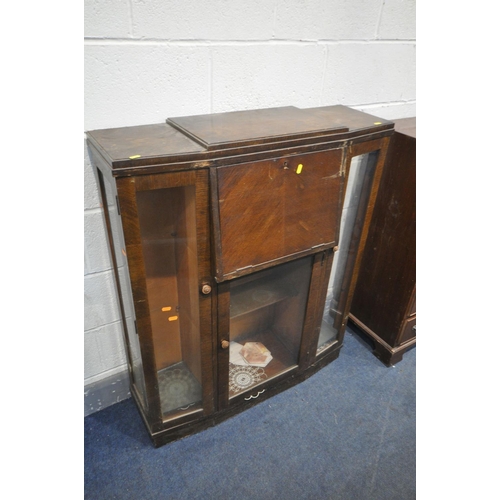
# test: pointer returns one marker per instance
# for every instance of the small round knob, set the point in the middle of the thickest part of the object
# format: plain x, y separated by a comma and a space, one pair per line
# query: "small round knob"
335, 248
224, 344
206, 289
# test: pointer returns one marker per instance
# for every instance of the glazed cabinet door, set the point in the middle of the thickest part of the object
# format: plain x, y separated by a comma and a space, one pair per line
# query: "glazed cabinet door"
265, 321
364, 166
166, 228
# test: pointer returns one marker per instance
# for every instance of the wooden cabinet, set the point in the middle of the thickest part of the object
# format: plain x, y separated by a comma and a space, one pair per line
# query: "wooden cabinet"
384, 303
235, 240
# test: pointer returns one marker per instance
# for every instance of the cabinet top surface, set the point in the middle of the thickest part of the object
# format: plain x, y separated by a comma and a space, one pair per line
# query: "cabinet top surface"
222, 130
406, 126
193, 138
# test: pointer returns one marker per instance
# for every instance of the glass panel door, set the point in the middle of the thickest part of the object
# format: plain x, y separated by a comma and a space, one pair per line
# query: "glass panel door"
113, 224
361, 174
267, 312
167, 220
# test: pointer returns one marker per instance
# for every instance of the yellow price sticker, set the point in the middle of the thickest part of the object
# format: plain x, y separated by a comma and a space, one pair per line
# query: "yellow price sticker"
299, 168
134, 157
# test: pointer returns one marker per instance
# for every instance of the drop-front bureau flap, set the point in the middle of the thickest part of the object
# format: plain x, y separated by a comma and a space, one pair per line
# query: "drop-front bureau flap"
274, 209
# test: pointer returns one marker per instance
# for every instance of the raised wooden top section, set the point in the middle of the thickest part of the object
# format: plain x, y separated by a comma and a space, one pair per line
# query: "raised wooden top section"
241, 128
205, 137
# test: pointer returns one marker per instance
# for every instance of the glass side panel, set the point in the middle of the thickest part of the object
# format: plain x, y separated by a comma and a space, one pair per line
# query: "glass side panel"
167, 220
353, 214
123, 283
267, 312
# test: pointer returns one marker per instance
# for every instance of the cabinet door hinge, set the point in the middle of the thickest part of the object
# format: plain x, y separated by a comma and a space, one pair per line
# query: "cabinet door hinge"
342, 168
118, 205
135, 325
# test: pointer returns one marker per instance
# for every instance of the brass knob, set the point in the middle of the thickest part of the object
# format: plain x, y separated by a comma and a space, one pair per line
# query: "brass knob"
206, 289
335, 248
224, 344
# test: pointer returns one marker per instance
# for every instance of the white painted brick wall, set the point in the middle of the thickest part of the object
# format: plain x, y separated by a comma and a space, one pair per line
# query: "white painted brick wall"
273, 75
146, 60
327, 20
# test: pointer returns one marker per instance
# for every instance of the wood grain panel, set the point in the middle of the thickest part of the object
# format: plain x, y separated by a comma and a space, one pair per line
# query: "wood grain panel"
274, 208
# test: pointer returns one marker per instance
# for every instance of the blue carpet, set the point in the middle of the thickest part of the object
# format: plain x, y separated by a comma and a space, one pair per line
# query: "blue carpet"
348, 432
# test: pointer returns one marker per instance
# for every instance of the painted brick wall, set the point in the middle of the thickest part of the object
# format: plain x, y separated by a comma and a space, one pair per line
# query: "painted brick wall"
146, 60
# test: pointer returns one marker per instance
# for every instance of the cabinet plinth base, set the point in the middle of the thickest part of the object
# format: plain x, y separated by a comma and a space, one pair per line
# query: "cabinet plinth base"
381, 349
175, 433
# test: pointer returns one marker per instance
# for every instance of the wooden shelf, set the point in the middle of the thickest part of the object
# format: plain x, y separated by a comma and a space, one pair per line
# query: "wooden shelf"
249, 297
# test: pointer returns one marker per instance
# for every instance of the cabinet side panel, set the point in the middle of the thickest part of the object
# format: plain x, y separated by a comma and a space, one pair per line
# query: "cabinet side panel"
387, 274
120, 266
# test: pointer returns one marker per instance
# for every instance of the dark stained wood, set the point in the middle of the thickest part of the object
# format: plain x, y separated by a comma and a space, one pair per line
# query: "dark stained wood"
147, 149
412, 307
406, 126
137, 271
259, 126
194, 347
230, 183
267, 307
367, 187
141, 142
357, 121
204, 243
317, 295
364, 221
409, 330
223, 329
364, 209
215, 220
239, 404
269, 211
384, 298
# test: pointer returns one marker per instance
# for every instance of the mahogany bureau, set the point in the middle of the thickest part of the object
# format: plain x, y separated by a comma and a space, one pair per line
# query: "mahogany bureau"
236, 240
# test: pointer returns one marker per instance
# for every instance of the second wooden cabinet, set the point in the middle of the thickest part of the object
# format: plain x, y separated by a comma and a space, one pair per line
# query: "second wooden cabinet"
384, 303
235, 240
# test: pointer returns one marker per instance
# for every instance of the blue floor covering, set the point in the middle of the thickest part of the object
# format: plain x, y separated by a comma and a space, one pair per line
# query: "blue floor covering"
348, 432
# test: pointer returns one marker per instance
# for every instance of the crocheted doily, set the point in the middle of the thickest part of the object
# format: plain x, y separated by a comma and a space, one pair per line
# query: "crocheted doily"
244, 377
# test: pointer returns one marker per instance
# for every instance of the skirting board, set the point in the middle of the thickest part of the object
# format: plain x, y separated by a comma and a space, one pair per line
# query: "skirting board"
106, 392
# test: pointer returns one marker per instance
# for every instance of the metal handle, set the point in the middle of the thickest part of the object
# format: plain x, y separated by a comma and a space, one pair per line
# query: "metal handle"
206, 289
224, 344
256, 396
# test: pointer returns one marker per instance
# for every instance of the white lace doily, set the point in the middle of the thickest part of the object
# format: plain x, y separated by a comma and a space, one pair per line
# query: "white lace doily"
244, 377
